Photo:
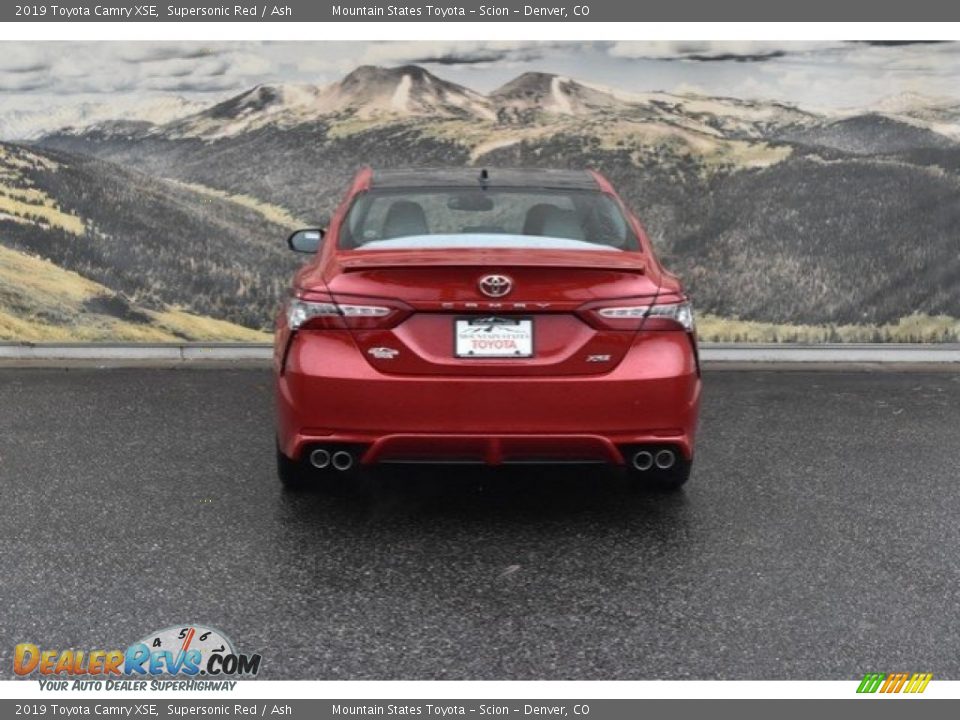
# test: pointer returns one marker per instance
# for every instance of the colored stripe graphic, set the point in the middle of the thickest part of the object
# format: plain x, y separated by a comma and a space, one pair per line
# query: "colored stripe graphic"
894, 683
870, 683
918, 683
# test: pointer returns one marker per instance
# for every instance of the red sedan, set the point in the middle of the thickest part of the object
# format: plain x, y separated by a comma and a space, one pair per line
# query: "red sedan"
484, 316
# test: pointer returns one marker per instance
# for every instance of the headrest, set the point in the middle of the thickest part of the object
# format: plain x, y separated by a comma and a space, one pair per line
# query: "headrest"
405, 218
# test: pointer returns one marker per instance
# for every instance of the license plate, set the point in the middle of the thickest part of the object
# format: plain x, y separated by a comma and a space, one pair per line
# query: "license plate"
494, 337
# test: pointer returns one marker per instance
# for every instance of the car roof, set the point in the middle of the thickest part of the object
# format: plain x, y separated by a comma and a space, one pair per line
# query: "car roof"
494, 177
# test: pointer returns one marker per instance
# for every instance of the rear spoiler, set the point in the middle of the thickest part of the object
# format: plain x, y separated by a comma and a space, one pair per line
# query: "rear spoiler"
624, 261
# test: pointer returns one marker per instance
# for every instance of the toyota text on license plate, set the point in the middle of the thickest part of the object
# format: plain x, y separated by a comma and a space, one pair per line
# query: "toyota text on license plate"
494, 337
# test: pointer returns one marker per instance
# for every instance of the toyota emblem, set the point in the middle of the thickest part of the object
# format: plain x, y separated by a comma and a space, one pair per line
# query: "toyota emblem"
495, 285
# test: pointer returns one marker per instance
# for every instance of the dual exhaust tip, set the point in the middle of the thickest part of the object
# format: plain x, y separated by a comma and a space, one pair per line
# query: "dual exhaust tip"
644, 460
340, 460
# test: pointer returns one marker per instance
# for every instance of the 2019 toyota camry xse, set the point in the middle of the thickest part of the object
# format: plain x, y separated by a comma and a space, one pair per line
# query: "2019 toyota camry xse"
484, 316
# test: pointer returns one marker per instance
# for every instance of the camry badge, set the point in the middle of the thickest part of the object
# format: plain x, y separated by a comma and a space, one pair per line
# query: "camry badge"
495, 285
383, 353
598, 358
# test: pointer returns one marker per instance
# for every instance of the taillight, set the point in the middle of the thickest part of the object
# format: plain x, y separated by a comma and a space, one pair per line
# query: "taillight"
323, 312
670, 316
626, 315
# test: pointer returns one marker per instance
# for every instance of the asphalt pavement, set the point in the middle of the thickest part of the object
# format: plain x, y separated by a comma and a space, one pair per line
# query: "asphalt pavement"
817, 539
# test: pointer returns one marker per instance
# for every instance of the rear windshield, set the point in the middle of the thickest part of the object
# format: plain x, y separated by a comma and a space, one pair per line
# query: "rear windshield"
483, 218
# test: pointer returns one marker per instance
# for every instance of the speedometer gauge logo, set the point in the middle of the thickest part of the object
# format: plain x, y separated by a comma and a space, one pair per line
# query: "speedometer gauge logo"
200, 641
189, 649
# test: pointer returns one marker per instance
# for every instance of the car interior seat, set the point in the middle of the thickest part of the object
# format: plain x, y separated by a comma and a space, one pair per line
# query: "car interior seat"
405, 218
548, 220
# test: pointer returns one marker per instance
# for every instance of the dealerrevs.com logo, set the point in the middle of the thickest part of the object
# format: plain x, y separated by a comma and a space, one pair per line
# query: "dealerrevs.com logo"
187, 652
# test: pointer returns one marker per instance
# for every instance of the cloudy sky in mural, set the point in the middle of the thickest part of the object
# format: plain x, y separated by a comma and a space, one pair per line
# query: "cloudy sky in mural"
823, 75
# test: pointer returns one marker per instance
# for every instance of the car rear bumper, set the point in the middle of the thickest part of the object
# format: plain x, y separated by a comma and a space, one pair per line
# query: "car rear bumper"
329, 394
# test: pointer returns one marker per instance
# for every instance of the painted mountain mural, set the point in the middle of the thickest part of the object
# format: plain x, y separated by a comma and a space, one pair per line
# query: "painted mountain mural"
786, 223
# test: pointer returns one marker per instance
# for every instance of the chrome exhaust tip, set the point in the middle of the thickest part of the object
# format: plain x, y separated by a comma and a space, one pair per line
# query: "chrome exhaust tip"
320, 458
643, 460
665, 459
342, 460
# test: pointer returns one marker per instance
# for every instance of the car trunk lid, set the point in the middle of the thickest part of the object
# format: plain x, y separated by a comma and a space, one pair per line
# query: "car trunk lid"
538, 314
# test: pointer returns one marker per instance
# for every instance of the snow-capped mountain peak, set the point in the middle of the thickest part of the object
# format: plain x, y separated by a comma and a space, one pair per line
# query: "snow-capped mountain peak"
406, 90
546, 92
367, 92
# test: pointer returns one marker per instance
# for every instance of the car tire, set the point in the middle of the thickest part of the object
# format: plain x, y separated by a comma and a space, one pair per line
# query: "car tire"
293, 475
